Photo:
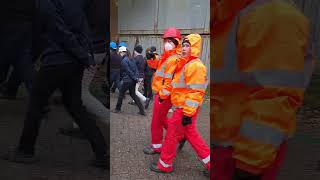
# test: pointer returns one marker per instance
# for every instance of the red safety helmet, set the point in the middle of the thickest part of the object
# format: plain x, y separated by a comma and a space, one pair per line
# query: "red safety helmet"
171, 32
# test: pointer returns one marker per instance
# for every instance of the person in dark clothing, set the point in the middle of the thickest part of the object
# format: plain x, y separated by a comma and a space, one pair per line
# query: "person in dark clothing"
10, 88
141, 64
149, 71
129, 78
115, 65
16, 42
66, 52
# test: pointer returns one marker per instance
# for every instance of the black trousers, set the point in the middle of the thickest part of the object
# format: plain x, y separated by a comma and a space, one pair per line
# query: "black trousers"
147, 87
67, 78
131, 87
12, 86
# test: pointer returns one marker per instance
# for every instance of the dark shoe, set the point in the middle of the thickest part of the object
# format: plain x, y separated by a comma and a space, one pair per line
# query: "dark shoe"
206, 173
243, 175
132, 103
142, 113
72, 132
154, 167
181, 144
19, 157
147, 103
116, 111
101, 162
150, 151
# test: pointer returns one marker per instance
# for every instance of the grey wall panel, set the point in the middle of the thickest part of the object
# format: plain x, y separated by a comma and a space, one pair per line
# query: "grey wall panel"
136, 14
153, 16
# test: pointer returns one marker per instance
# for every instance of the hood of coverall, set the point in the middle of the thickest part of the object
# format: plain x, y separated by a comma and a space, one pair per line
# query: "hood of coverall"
195, 42
224, 9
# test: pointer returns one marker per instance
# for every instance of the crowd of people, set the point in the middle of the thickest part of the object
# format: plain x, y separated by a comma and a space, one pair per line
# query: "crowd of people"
177, 80
132, 72
69, 43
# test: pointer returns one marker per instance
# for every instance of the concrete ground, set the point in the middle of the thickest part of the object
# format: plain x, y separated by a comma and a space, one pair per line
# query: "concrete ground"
130, 133
61, 157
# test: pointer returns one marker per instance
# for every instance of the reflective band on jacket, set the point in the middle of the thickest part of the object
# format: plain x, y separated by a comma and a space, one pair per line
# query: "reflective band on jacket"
161, 73
164, 164
206, 160
261, 133
165, 92
182, 84
168, 76
176, 107
229, 73
156, 146
190, 103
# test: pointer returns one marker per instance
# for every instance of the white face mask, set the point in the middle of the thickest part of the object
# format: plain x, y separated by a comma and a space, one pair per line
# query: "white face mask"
168, 46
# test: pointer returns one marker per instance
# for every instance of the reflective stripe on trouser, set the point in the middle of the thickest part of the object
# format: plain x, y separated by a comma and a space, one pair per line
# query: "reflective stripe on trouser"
158, 121
175, 132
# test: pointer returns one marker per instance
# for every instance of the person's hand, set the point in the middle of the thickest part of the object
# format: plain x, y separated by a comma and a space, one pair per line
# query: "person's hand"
160, 100
186, 120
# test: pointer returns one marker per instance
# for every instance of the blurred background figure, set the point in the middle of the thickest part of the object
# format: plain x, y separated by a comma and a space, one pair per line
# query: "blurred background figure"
16, 47
152, 59
115, 65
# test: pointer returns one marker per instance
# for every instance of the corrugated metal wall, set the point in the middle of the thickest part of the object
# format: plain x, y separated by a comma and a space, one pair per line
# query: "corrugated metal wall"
311, 9
145, 20
153, 16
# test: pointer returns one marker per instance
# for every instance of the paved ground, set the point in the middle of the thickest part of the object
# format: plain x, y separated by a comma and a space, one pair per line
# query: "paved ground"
61, 157
64, 158
130, 133
302, 162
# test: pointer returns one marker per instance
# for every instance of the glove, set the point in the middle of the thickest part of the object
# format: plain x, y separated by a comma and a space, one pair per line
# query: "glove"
186, 120
160, 100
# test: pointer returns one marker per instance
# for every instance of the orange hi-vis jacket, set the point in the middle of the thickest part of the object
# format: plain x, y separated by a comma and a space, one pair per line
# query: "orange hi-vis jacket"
262, 64
165, 70
190, 80
153, 63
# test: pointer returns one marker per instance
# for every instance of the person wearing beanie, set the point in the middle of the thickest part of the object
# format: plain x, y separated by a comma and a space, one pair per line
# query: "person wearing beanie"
141, 65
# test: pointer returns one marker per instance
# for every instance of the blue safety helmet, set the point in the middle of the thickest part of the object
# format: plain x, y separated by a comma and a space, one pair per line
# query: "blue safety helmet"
113, 45
122, 44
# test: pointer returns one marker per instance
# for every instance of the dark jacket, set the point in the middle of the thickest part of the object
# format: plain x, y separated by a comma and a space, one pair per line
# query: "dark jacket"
16, 11
115, 60
64, 32
129, 71
141, 65
99, 24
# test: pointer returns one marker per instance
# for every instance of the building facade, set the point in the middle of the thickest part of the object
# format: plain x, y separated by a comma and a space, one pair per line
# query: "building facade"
144, 21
